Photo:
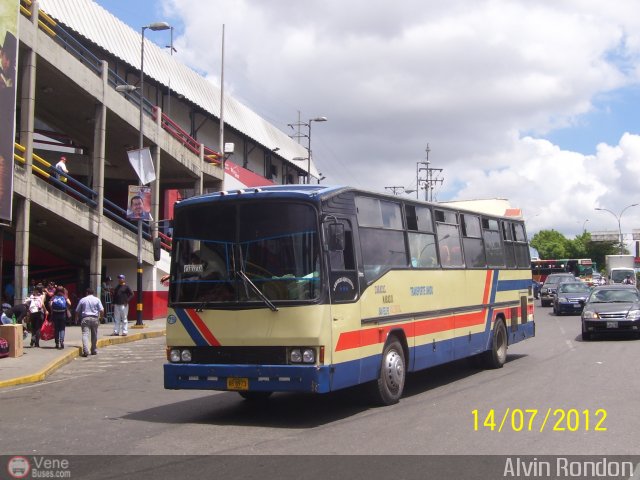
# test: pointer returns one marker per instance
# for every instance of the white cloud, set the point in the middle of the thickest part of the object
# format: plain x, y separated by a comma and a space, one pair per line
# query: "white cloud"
471, 79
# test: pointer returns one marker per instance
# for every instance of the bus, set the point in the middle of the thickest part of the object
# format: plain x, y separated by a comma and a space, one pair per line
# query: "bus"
581, 268
309, 288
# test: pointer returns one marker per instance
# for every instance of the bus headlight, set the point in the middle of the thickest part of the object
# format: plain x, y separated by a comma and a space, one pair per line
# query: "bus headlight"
309, 355
174, 355
295, 356
185, 356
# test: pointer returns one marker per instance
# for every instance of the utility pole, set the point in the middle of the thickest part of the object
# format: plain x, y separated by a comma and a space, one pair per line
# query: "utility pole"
429, 181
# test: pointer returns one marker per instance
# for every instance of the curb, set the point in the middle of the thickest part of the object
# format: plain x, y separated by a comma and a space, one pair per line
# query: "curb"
74, 352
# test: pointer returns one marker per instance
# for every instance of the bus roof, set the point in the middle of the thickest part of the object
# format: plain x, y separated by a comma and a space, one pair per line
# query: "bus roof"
318, 193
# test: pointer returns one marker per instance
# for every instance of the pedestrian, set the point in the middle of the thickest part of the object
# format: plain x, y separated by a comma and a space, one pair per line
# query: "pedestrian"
122, 294
61, 168
19, 312
59, 304
89, 311
36, 314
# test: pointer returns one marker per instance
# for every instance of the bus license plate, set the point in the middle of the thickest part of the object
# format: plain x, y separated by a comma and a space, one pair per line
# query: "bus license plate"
237, 383
612, 324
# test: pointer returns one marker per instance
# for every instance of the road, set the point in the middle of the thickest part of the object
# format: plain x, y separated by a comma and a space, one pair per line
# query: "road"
114, 403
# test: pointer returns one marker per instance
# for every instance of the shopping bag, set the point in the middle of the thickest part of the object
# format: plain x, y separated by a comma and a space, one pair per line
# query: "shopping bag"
47, 332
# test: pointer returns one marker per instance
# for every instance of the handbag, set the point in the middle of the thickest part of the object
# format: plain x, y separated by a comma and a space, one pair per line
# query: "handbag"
47, 331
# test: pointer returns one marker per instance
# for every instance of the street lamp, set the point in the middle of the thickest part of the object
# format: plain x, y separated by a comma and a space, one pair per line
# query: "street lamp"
618, 217
155, 27
317, 119
584, 225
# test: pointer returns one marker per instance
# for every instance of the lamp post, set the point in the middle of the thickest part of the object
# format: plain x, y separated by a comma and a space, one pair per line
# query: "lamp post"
317, 119
618, 217
155, 27
584, 226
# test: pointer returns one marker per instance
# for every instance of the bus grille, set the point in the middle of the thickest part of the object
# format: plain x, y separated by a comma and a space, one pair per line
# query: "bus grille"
240, 355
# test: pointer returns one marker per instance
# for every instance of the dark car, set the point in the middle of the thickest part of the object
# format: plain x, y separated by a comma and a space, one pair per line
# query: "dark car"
550, 285
611, 308
570, 297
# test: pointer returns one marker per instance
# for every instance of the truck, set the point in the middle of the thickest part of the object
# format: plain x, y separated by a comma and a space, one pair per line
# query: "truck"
618, 267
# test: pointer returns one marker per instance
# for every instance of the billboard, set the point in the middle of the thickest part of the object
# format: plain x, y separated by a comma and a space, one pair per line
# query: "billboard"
9, 10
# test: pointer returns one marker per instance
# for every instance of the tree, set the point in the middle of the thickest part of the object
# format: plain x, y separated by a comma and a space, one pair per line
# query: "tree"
550, 244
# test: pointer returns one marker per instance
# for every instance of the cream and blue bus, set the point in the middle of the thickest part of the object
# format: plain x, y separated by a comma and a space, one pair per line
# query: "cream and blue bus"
308, 288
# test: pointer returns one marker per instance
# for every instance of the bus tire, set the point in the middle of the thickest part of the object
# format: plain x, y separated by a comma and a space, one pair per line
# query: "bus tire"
497, 355
255, 396
390, 384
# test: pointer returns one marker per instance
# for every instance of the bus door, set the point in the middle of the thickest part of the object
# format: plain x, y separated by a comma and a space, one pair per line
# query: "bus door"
344, 292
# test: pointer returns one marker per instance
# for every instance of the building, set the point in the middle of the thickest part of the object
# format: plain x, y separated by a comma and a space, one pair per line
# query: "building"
76, 72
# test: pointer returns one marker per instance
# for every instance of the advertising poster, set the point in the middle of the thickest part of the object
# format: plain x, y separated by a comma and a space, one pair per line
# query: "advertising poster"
8, 60
139, 203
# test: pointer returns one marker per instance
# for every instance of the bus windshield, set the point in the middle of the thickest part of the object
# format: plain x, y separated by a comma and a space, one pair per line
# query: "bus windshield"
245, 253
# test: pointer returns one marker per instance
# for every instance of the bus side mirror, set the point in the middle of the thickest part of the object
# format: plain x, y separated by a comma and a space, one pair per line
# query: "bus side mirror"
157, 249
336, 237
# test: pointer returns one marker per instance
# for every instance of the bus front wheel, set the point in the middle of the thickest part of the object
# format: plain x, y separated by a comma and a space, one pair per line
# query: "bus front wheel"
497, 355
390, 383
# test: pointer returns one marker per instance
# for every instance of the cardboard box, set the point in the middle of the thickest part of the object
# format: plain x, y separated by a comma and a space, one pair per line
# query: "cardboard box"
13, 335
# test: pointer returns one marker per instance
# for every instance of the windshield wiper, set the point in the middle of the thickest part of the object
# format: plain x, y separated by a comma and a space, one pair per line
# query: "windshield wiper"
247, 281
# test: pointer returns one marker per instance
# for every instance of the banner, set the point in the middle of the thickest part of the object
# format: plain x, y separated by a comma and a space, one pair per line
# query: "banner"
139, 203
8, 60
141, 162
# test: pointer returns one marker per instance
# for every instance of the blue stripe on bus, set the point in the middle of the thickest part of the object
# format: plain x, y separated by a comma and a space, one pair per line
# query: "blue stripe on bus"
505, 285
367, 369
191, 328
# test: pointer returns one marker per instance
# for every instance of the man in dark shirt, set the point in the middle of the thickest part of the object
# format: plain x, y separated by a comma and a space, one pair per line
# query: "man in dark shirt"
122, 294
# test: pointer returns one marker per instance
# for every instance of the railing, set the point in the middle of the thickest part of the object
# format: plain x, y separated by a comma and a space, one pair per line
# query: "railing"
69, 43
183, 137
81, 192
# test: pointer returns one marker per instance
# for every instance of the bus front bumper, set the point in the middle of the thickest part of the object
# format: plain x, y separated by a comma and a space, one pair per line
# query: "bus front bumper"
258, 378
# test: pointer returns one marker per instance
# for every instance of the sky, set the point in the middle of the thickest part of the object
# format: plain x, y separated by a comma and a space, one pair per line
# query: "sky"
533, 101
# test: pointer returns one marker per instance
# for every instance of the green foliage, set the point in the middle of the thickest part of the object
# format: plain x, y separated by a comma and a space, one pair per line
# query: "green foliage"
552, 244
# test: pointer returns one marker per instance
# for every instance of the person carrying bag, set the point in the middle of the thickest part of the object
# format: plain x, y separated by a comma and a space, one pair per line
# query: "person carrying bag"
36, 314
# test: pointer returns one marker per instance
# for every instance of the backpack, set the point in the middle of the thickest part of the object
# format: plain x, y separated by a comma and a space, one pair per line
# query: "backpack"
59, 304
35, 305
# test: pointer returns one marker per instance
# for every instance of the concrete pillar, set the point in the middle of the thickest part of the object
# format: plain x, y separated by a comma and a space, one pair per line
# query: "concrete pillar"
199, 184
99, 141
27, 78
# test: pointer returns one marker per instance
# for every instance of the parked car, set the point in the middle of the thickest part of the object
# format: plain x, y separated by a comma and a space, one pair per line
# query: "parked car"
550, 285
611, 308
570, 297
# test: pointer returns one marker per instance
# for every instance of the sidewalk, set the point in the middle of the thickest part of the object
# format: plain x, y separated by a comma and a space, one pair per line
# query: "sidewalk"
38, 363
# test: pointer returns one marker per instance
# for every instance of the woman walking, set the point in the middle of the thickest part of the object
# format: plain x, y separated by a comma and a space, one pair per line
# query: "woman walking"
58, 306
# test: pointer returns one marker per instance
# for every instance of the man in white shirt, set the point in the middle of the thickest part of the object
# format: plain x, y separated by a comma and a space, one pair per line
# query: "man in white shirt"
61, 166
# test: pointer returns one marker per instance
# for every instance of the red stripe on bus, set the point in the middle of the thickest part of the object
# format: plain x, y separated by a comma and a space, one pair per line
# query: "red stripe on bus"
202, 328
487, 287
373, 336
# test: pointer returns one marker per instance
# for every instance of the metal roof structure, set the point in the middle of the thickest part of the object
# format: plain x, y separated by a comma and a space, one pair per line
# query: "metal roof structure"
91, 21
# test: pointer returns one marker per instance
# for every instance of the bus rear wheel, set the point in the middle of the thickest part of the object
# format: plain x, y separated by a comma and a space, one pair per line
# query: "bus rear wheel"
390, 384
255, 396
497, 355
